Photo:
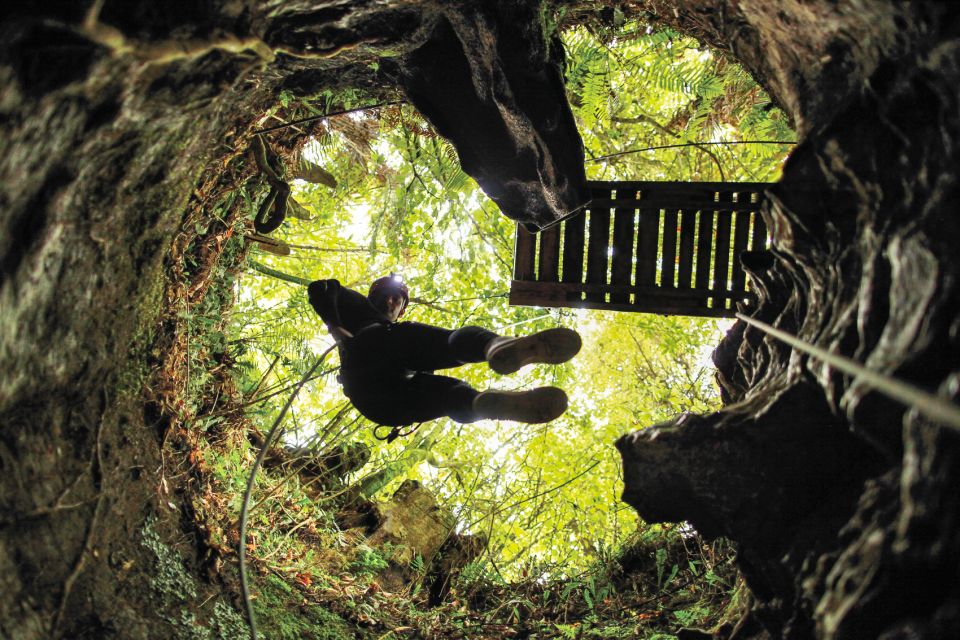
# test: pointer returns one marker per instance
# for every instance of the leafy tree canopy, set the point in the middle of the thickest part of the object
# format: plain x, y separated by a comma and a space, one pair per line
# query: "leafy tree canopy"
550, 493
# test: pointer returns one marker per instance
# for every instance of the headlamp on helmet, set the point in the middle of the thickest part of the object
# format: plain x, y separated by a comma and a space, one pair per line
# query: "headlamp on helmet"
387, 285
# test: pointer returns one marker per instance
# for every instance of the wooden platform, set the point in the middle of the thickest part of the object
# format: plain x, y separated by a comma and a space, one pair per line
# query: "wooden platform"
653, 247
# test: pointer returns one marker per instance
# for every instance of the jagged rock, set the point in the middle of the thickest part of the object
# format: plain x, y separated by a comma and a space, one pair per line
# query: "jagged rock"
457, 551
490, 80
411, 524
109, 121
838, 499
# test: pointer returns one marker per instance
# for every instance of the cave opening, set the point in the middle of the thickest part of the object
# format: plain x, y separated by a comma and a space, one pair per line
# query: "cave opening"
522, 508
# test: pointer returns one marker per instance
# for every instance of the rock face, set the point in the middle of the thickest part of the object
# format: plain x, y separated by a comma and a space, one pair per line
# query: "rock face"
842, 502
113, 117
417, 536
490, 80
844, 505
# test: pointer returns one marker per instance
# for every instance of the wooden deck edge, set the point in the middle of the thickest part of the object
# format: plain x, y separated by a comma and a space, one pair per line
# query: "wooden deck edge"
545, 294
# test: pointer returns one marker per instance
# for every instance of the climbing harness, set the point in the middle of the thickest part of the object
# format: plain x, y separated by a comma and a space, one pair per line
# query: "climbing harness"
394, 433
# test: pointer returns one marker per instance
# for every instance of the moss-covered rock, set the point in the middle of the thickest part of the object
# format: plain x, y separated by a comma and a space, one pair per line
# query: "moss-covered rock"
280, 615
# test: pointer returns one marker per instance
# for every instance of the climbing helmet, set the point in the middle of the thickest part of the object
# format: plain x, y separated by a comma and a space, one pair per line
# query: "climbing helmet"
386, 285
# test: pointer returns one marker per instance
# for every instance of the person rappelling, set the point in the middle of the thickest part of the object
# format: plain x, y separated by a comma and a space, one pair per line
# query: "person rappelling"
388, 367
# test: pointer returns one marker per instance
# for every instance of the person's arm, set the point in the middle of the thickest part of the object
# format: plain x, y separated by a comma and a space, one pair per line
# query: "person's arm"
324, 297
339, 333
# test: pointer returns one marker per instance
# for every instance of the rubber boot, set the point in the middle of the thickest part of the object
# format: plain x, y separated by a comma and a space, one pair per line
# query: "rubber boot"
535, 406
552, 346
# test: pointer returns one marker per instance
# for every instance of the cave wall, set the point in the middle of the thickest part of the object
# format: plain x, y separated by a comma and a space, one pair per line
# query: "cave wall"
842, 505
839, 499
96, 165
108, 123
115, 119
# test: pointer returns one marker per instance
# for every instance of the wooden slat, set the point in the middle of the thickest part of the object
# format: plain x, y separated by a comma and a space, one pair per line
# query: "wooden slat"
658, 292
678, 195
622, 252
648, 300
547, 270
523, 254
741, 239
674, 186
688, 228
597, 246
669, 243
758, 241
648, 233
560, 290
540, 294
704, 248
573, 249
721, 262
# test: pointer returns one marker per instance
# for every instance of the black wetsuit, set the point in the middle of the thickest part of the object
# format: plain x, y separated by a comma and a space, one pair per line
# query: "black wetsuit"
387, 367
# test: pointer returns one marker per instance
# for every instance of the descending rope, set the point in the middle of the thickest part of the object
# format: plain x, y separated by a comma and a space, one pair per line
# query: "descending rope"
690, 144
933, 407
328, 115
244, 510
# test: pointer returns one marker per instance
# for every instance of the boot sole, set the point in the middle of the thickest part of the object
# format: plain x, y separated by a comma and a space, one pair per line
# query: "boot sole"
552, 346
536, 406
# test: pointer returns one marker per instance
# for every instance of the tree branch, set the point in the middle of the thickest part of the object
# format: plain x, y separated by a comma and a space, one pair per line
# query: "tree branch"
279, 275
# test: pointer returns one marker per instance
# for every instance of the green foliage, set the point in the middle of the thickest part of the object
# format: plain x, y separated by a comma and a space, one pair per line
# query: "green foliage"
169, 580
226, 623
546, 497
691, 616
368, 561
280, 615
202, 320
642, 87
417, 564
175, 591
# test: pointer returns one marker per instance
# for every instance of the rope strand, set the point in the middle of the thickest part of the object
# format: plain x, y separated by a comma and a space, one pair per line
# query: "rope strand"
690, 144
328, 115
933, 407
245, 509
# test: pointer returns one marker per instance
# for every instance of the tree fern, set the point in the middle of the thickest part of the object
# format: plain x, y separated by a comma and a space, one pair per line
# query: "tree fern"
595, 92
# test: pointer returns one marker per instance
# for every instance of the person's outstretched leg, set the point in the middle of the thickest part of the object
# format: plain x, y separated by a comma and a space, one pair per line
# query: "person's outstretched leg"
415, 346
425, 396
423, 347
402, 401
551, 346
534, 406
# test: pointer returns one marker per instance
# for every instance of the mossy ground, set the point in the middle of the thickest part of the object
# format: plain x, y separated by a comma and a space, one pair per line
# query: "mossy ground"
282, 613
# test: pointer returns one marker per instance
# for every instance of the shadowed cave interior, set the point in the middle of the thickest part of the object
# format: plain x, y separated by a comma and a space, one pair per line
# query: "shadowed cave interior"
127, 125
